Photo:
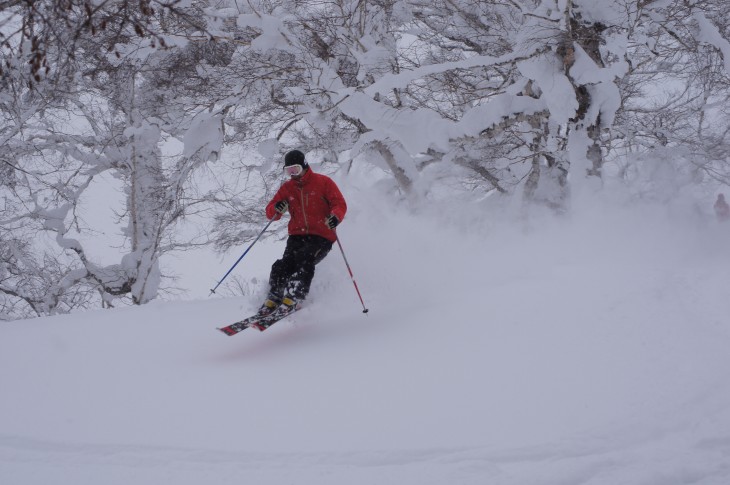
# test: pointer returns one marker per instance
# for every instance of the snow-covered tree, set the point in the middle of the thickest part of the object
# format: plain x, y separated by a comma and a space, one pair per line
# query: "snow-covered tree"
675, 97
111, 119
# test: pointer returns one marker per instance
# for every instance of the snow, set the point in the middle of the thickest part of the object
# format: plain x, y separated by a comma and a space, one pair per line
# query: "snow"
420, 129
558, 93
588, 350
269, 149
272, 31
709, 33
401, 80
605, 94
610, 12
204, 137
499, 348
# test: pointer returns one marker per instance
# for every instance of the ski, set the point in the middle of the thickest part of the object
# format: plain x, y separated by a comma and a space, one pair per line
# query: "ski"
236, 327
259, 322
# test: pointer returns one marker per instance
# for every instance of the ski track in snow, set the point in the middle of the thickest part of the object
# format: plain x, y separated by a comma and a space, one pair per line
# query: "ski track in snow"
665, 461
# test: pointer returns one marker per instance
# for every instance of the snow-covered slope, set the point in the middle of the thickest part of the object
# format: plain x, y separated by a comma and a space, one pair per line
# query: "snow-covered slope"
585, 351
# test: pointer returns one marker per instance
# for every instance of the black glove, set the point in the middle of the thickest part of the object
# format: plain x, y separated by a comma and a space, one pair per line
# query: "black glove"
281, 206
332, 221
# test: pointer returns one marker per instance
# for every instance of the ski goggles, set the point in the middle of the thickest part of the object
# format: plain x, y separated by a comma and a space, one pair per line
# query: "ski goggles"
293, 170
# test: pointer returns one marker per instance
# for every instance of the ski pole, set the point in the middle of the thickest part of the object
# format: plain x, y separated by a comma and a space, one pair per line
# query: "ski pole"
364, 310
239, 259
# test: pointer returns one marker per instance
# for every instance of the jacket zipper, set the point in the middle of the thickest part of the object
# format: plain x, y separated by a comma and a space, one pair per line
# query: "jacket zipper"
304, 211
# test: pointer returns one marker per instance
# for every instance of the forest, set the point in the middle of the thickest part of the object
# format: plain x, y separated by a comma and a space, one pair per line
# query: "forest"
187, 106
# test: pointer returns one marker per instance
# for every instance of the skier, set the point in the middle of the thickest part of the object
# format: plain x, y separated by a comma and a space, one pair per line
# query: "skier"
722, 209
316, 207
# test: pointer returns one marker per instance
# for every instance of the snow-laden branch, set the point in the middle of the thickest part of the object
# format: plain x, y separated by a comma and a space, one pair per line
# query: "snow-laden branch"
710, 34
421, 129
402, 79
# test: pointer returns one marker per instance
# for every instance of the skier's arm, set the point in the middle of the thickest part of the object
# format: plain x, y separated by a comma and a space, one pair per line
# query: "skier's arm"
271, 212
338, 206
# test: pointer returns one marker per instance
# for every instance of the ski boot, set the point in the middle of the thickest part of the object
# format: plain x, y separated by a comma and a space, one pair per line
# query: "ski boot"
288, 305
267, 308
270, 305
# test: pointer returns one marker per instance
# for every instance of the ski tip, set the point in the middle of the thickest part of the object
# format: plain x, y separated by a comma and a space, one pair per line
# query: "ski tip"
227, 331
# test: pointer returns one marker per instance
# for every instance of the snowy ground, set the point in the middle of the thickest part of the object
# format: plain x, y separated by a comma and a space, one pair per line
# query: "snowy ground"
591, 350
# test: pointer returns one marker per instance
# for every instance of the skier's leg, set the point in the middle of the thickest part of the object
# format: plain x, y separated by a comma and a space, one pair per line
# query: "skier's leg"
312, 253
283, 269
281, 272
277, 279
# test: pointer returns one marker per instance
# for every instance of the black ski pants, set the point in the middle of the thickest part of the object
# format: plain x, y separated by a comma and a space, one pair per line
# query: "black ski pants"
291, 276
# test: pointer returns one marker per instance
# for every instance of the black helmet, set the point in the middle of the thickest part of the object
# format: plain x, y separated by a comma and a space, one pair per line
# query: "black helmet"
295, 157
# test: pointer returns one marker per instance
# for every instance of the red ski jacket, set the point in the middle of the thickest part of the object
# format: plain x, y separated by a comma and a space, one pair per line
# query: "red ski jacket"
311, 199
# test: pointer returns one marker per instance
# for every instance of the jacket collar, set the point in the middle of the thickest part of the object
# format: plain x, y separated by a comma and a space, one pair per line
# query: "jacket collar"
304, 178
